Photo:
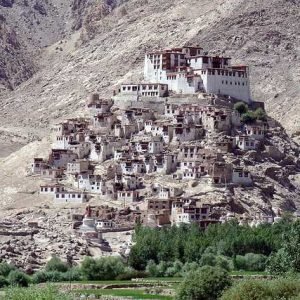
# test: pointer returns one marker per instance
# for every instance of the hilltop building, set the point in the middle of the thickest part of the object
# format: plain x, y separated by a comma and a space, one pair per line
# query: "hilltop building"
189, 70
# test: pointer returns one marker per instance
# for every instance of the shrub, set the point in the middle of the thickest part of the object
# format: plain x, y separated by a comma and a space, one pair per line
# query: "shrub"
17, 278
207, 283
3, 282
250, 262
241, 107
36, 293
248, 290
207, 259
55, 264
39, 277
223, 262
188, 267
278, 263
73, 274
5, 269
249, 117
284, 288
54, 276
260, 114
106, 268
131, 273
175, 269
162, 268
151, 268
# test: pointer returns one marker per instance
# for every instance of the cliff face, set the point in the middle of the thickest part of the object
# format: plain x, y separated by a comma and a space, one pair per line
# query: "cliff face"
80, 47
15, 67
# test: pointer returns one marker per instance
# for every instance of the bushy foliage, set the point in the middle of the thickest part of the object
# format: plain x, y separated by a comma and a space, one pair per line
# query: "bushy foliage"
248, 290
130, 273
3, 282
39, 277
207, 283
106, 268
287, 259
283, 289
36, 293
165, 269
5, 269
73, 274
18, 278
189, 243
278, 263
56, 264
260, 114
248, 117
250, 262
241, 107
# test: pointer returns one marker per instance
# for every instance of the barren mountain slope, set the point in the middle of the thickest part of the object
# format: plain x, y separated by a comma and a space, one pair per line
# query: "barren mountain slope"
264, 34
28, 26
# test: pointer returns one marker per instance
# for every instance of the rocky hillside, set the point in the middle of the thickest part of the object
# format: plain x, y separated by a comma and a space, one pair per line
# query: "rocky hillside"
85, 46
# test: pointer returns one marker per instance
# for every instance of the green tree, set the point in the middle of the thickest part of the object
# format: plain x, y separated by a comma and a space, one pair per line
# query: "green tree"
260, 114
106, 268
5, 269
151, 268
287, 259
56, 264
36, 293
207, 283
241, 107
250, 262
248, 117
3, 281
17, 278
248, 290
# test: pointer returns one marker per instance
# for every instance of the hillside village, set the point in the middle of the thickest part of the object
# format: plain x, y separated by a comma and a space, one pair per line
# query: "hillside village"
186, 145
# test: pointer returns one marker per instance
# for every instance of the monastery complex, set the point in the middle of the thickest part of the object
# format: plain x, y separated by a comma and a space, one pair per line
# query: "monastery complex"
170, 148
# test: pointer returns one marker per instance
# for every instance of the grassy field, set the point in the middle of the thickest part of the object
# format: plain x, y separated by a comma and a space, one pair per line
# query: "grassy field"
135, 294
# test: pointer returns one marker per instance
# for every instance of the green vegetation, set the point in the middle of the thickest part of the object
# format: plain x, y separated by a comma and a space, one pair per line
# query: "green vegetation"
249, 116
282, 289
35, 293
250, 262
17, 278
206, 283
135, 293
241, 107
5, 269
199, 261
55, 264
229, 246
103, 268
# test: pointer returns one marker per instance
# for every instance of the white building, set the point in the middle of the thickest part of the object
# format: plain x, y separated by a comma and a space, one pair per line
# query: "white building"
134, 91
256, 130
38, 165
90, 183
187, 70
70, 197
246, 143
127, 196
240, 176
96, 106
104, 224
59, 158
78, 166
51, 189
